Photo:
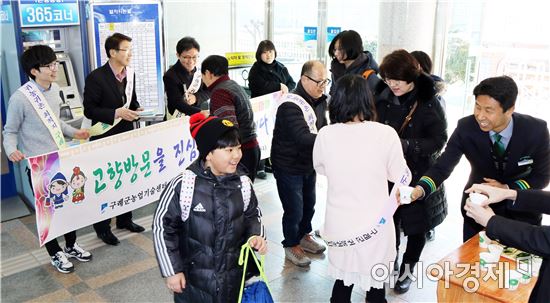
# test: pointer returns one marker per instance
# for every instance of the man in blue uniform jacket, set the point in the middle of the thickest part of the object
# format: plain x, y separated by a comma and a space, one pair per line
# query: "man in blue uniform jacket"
505, 149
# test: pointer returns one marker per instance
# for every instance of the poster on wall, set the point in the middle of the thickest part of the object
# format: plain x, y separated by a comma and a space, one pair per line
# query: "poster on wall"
140, 21
85, 184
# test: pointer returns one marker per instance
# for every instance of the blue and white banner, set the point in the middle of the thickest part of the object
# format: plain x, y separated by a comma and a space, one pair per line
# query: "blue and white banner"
310, 33
5, 12
332, 32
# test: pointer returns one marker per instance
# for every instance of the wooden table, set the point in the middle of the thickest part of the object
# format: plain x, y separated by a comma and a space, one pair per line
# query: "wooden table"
455, 271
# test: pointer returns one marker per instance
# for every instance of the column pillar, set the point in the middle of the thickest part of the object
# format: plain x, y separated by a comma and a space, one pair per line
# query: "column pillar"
406, 24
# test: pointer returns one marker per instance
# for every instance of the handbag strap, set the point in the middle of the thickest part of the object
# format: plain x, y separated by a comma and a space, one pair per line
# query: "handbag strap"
243, 261
408, 117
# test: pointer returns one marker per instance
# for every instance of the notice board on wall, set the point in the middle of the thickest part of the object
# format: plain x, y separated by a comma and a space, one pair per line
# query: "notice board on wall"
142, 22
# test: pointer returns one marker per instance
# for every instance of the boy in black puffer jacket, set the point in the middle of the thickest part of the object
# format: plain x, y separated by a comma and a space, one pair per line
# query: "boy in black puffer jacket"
204, 217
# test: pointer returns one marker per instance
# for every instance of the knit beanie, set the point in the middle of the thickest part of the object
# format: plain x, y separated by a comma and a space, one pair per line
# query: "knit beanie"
207, 130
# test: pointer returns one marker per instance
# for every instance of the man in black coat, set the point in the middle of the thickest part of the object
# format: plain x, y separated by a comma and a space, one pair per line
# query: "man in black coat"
529, 238
291, 156
110, 98
183, 94
505, 149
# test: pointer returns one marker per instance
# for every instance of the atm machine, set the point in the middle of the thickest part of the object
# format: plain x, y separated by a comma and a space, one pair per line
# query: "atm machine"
62, 26
71, 110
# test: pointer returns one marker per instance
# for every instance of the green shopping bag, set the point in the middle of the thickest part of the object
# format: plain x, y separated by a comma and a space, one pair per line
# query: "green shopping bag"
257, 292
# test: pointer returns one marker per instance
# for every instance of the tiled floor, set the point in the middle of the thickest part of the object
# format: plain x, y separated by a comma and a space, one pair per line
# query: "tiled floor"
129, 273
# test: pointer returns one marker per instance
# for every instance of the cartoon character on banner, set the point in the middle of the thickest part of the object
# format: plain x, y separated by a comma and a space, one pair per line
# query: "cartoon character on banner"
57, 191
77, 182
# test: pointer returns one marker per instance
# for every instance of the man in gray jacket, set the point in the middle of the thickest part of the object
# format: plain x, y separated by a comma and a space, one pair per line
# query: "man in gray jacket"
29, 133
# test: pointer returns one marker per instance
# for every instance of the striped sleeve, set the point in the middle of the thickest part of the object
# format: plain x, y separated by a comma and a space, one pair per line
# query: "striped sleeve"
253, 217
428, 185
520, 184
167, 229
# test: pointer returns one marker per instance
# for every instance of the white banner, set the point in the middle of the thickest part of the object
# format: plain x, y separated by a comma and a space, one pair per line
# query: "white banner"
85, 184
265, 111
88, 183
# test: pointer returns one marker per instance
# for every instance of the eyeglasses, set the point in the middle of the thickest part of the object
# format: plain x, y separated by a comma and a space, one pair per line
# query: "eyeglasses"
319, 82
129, 50
194, 58
52, 66
341, 50
391, 82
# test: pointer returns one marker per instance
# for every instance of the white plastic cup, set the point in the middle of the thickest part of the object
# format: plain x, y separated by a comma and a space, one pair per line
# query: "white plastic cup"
495, 249
514, 279
405, 193
536, 263
484, 241
525, 278
487, 258
477, 198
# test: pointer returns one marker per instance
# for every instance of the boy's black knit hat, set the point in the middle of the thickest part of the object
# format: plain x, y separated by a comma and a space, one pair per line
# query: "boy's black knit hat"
207, 130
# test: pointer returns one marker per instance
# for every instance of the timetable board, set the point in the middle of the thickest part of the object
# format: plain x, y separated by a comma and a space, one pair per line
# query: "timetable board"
141, 22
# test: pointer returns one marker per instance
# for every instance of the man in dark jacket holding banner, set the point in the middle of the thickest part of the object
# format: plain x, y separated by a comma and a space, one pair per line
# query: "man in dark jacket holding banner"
110, 102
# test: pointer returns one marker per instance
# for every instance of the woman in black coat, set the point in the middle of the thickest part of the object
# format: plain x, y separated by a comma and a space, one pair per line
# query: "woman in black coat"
268, 75
349, 58
407, 101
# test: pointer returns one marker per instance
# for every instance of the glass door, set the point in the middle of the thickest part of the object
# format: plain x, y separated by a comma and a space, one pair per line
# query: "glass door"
295, 33
360, 16
491, 38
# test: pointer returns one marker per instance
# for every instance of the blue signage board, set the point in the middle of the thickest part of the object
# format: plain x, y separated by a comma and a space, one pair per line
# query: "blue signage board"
5, 12
310, 33
140, 21
332, 32
35, 13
